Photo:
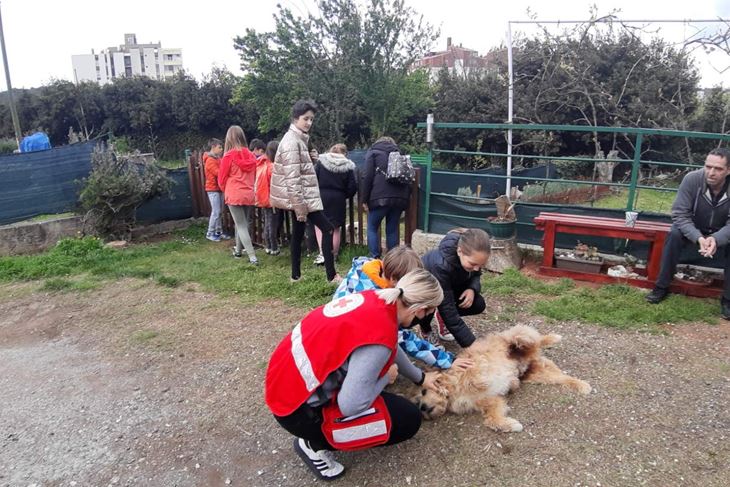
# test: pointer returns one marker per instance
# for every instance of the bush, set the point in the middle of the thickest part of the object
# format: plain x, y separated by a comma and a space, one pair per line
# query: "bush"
114, 190
7, 146
574, 169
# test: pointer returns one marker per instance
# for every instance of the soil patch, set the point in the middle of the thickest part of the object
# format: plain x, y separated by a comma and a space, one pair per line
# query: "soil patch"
136, 384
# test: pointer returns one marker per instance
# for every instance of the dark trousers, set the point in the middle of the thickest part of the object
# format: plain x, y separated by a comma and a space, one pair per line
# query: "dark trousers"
272, 221
297, 235
477, 306
673, 246
306, 422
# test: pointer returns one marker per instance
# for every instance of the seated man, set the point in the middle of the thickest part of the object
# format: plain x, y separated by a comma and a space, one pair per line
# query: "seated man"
700, 216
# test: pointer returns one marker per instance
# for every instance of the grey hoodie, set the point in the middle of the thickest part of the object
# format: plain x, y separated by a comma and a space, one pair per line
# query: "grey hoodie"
696, 214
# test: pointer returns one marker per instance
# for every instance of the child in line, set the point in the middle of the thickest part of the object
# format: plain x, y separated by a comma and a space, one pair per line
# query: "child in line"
236, 179
457, 264
257, 148
337, 183
211, 165
272, 216
367, 273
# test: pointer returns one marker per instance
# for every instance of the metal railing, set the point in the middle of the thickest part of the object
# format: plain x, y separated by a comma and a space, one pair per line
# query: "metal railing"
639, 133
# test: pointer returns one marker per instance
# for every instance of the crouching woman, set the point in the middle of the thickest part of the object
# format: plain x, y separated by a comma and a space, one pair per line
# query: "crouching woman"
325, 379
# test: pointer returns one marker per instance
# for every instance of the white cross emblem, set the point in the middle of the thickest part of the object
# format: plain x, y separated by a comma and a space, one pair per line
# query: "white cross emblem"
343, 305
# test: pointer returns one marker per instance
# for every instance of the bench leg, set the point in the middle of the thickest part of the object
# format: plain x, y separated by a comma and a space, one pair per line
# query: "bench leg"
654, 262
548, 245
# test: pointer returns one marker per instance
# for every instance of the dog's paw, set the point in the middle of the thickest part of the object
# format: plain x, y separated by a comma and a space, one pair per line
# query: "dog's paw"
583, 387
516, 426
508, 425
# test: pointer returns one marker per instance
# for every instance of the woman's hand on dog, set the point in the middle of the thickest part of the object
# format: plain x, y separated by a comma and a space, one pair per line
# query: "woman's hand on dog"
431, 381
392, 373
466, 299
462, 363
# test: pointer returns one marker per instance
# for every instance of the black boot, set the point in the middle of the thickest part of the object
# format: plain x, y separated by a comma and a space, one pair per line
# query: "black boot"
657, 295
725, 308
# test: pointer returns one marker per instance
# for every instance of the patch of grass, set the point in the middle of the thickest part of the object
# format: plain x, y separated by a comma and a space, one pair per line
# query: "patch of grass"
646, 200
172, 163
143, 336
513, 280
187, 257
42, 218
57, 284
623, 307
168, 281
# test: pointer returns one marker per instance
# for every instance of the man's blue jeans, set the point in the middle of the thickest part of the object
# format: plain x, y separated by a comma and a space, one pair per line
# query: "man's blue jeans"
392, 221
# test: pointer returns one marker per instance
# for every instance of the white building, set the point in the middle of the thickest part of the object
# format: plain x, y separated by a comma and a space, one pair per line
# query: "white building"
127, 60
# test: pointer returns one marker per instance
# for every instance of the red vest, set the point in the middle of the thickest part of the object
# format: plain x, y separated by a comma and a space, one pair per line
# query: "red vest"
322, 342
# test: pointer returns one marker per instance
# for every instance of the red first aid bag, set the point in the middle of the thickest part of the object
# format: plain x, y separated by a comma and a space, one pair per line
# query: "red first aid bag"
357, 432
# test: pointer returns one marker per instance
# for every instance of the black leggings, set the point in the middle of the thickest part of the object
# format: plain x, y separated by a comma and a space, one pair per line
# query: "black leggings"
306, 422
297, 235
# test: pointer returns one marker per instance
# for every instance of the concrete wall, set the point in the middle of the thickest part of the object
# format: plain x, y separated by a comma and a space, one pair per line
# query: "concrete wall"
33, 237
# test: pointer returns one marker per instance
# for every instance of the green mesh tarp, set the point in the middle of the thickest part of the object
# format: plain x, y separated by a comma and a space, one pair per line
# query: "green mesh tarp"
49, 182
44, 182
176, 207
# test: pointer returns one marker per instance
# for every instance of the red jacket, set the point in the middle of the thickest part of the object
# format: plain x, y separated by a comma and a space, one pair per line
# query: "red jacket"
211, 164
322, 342
263, 182
237, 176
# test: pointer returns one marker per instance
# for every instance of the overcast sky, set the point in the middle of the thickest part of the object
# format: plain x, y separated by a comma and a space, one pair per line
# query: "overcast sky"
41, 35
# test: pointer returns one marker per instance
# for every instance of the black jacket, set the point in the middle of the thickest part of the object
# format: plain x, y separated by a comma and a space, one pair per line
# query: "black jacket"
444, 264
376, 191
337, 183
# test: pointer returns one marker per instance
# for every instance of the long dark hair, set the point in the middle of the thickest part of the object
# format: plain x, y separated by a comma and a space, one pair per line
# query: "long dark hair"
271, 150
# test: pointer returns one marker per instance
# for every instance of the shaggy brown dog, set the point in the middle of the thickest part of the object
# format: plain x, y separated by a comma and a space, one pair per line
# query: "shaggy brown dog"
501, 362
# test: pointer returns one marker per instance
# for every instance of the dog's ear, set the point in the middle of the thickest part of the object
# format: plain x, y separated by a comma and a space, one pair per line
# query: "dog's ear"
520, 344
551, 339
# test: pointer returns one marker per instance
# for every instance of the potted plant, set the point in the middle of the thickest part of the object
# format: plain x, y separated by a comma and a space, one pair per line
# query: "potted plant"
583, 258
503, 225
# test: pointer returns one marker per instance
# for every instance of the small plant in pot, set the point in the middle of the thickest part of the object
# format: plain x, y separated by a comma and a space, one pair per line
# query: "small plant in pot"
583, 258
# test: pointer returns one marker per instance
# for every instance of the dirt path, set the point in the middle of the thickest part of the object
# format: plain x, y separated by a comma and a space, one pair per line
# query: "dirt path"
135, 384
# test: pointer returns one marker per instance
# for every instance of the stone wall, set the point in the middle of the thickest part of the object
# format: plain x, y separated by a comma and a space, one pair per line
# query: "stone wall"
34, 237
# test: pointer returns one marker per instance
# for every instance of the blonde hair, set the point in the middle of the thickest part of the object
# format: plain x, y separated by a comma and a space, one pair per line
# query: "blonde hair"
417, 289
399, 261
385, 138
339, 149
235, 138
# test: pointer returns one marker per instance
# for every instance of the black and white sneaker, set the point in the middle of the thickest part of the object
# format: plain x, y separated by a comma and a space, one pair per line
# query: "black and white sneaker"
320, 462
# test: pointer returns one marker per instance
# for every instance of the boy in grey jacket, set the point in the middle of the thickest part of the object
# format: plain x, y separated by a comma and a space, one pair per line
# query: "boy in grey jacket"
700, 216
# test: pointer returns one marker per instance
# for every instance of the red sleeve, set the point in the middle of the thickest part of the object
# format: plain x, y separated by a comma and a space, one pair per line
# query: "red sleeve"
223, 171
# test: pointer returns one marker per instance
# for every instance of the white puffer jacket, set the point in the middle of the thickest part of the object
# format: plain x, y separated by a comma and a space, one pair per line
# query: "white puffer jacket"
293, 180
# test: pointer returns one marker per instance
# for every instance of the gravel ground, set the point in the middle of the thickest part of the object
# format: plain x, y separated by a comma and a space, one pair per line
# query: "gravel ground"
135, 384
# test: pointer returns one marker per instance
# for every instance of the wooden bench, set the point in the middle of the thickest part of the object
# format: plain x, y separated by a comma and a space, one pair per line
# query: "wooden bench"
652, 232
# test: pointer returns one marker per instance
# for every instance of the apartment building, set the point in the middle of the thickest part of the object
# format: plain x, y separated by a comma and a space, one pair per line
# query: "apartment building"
129, 59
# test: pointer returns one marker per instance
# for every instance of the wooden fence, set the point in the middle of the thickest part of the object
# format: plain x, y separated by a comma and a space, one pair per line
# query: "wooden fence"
353, 232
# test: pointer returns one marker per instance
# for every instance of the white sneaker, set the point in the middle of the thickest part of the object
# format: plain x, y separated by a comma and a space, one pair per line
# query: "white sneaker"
320, 462
319, 260
443, 332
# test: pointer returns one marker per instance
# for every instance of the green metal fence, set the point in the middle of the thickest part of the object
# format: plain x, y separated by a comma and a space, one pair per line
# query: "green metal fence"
638, 133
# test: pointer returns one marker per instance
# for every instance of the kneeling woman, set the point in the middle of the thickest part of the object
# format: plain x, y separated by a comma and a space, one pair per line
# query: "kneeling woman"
326, 378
